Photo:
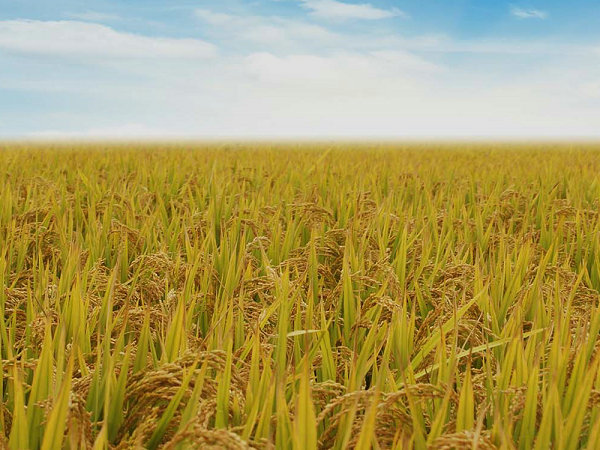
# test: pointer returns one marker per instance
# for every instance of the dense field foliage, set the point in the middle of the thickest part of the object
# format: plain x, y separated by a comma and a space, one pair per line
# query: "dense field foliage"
327, 297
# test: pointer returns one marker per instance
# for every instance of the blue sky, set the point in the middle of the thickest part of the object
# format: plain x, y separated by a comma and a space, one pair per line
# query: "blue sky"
299, 68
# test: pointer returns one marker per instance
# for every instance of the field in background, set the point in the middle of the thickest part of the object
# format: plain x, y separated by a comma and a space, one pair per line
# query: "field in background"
307, 297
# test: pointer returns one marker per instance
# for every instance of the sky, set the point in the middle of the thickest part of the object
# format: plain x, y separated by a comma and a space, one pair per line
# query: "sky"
299, 68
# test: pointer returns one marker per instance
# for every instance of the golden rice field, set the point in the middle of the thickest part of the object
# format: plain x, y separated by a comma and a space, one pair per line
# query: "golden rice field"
300, 296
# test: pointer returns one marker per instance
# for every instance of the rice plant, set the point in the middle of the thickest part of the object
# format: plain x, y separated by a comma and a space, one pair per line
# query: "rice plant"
299, 296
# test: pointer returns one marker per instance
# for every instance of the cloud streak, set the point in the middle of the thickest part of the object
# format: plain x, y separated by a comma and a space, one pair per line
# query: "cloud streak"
94, 16
521, 13
335, 10
83, 40
271, 31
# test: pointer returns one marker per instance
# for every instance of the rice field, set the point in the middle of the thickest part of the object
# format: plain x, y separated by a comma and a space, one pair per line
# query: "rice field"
268, 296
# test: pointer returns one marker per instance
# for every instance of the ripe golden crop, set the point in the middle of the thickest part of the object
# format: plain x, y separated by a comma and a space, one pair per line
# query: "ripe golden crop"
300, 296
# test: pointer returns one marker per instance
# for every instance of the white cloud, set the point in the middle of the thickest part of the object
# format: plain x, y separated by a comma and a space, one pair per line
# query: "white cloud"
276, 32
344, 72
353, 94
406, 61
94, 16
335, 10
591, 89
214, 18
74, 39
522, 13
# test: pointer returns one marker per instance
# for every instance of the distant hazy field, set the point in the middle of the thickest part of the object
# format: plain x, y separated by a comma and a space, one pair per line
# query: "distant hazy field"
324, 296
